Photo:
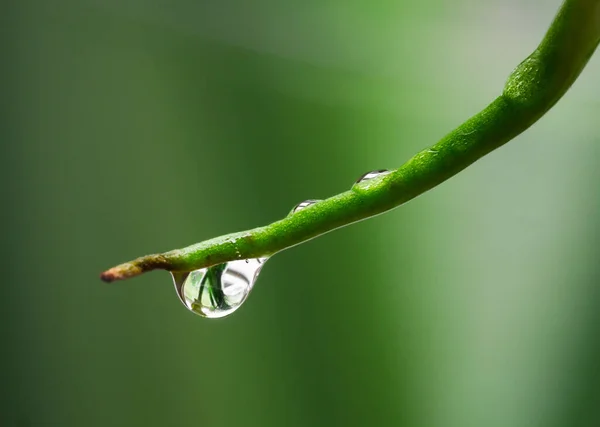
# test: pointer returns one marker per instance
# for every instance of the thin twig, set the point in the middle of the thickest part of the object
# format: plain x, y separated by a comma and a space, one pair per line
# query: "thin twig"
531, 90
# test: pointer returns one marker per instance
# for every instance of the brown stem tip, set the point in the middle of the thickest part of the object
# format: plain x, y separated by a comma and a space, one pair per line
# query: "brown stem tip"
121, 272
108, 276
135, 268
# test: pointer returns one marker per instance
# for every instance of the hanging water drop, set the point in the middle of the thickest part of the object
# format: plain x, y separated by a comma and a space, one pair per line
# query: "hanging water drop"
219, 290
304, 204
373, 174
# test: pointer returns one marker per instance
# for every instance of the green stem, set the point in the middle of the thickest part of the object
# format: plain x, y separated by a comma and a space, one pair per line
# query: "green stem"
531, 90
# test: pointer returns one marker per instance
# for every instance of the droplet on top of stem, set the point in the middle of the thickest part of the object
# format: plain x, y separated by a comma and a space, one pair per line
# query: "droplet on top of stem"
373, 174
304, 204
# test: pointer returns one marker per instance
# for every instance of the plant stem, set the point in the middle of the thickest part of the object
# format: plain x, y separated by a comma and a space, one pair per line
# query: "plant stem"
531, 90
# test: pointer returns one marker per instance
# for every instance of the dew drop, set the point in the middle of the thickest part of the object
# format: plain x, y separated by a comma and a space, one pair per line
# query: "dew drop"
219, 290
304, 204
373, 174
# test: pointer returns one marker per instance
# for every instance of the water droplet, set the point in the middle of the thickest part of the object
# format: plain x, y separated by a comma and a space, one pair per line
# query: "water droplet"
304, 204
219, 290
373, 174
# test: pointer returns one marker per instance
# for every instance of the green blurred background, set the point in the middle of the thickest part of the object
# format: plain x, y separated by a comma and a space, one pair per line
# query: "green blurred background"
131, 127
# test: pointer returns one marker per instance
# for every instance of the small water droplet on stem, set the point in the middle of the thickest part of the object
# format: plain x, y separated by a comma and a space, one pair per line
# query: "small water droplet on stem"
373, 174
304, 204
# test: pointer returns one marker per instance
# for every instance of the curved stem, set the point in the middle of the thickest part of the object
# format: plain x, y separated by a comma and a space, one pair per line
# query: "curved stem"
531, 90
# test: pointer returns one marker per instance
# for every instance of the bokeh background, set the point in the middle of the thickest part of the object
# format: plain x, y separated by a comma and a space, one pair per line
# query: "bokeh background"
130, 127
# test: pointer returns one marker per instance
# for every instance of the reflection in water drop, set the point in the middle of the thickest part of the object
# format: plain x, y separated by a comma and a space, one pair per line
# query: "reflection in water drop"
304, 204
219, 290
373, 174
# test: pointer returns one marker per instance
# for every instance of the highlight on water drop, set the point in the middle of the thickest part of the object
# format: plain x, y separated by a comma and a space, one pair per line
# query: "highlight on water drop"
219, 290
303, 205
373, 174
